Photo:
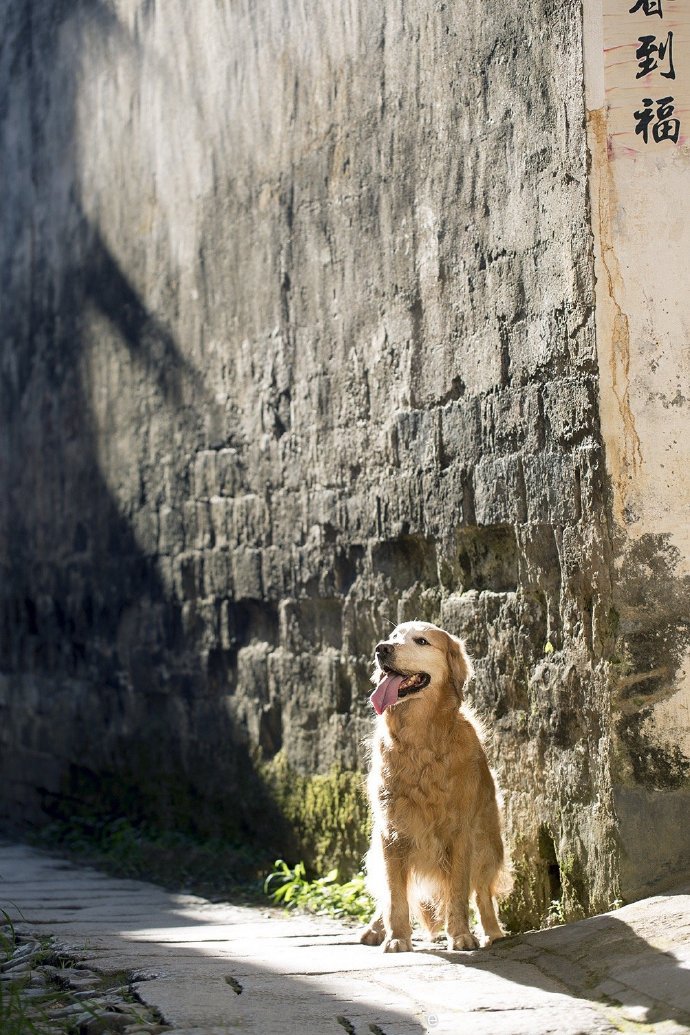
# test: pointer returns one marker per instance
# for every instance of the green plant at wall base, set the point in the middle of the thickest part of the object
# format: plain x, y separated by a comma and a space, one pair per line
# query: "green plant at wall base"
327, 813
525, 907
325, 896
176, 860
322, 819
556, 914
570, 904
533, 904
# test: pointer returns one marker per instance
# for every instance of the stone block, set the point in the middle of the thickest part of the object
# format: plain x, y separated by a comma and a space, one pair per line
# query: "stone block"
229, 473
205, 474
145, 530
570, 408
552, 493
417, 438
499, 491
246, 572
252, 674
221, 518
311, 625
198, 530
461, 440
170, 530
188, 576
275, 573
511, 421
250, 521
218, 579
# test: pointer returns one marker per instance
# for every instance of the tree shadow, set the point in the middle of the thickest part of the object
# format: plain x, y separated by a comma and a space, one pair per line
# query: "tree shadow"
104, 660
149, 342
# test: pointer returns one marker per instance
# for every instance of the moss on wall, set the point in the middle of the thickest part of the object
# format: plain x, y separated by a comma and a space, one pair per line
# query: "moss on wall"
548, 888
527, 905
327, 813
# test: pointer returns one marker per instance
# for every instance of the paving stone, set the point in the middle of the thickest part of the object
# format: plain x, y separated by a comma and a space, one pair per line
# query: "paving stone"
212, 968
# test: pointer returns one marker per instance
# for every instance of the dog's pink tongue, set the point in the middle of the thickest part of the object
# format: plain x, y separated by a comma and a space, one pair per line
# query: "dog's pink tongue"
386, 693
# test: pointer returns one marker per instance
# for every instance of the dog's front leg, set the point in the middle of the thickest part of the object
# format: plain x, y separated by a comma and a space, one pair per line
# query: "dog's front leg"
457, 909
396, 910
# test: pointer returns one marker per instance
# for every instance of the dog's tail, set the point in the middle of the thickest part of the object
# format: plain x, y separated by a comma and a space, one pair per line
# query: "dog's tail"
502, 884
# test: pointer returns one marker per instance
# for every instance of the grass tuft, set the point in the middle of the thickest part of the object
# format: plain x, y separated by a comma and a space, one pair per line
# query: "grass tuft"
326, 896
213, 868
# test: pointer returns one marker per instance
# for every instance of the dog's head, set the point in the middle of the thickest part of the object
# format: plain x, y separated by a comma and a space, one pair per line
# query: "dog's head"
418, 658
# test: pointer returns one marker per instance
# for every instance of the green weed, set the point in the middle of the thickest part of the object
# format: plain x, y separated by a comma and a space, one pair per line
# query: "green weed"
325, 896
210, 867
7, 936
556, 914
48, 1008
19, 1016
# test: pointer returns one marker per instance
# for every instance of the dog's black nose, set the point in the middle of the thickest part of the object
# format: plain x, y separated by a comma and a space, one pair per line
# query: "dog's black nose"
383, 648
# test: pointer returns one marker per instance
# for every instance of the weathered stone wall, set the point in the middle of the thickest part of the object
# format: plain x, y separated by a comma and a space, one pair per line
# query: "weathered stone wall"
298, 340
641, 220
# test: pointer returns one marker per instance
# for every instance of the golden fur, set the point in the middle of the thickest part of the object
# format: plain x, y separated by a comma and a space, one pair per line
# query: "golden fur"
437, 829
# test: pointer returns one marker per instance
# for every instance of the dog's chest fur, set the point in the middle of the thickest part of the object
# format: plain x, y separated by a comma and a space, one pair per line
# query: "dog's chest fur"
425, 788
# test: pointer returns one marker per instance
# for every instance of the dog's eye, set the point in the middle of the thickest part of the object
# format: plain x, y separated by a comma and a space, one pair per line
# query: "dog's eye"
421, 641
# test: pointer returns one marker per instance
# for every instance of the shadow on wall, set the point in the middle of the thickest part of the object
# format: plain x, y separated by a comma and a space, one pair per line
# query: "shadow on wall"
91, 639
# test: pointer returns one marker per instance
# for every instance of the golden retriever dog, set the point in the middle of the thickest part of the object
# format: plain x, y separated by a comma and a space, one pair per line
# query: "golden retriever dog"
437, 829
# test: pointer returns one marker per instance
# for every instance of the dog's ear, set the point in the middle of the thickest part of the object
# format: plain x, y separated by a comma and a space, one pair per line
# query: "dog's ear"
459, 665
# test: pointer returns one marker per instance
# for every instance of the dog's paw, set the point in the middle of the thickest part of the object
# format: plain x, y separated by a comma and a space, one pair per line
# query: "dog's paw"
465, 940
373, 934
397, 945
489, 939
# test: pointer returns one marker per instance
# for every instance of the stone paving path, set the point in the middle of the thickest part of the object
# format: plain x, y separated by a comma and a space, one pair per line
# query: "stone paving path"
212, 969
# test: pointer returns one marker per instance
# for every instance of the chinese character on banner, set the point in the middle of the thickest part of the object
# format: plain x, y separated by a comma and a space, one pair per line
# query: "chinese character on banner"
649, 7
650, 53
665, 127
